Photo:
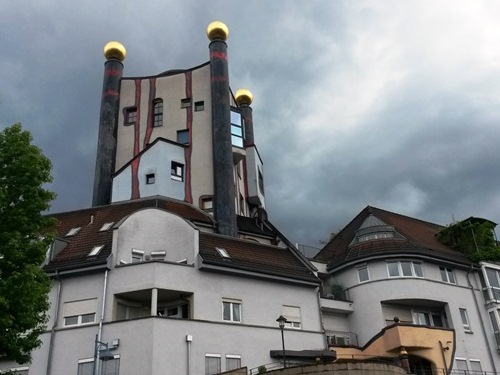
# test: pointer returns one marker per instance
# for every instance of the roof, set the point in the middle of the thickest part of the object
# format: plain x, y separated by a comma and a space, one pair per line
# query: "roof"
91, 220
254, 257
413, 237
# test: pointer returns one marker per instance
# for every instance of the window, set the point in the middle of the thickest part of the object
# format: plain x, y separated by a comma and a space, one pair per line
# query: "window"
461, 365
183, 137
207, 204
177, 171
475, 366
496, 328
447, 275
231, 311
212, 364
150, 178
106, 226
233, 362
137, 256
492, 288
363, 274
375, 236
111, 367
186, 103
292, 314
261, 183
157, 113
404, 269
73, 231
465, 319
236, 129
130, 116
242, 205
428, 318
199, 106
80, 312
96, 250
222, 252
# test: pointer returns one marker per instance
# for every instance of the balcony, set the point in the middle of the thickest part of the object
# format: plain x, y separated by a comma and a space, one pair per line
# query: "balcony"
340, 338
330, 304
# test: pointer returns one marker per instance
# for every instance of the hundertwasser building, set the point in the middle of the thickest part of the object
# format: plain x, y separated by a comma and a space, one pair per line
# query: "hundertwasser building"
176, 269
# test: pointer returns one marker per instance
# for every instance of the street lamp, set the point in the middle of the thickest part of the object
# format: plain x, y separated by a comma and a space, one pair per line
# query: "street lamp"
101, 352
282, 320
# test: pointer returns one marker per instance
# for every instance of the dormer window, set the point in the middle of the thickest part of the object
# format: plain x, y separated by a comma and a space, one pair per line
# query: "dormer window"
106, 226
73, 231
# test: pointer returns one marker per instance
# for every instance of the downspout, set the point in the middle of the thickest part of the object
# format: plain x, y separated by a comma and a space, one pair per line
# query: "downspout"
318, 296
96, 363
54, 326
482, 321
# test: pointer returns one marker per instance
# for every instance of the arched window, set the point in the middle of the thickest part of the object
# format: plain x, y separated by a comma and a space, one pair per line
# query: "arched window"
157, 112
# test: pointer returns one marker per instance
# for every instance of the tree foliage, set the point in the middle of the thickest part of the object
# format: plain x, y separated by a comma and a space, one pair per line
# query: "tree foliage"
474, 238
24, 286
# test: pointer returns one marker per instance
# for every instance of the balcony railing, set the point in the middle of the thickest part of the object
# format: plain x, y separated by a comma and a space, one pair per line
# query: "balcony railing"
491, 294
341, 338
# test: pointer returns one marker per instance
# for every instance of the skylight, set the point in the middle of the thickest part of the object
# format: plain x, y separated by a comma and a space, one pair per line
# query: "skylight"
95, 250
106, 227
73, 231
222, 252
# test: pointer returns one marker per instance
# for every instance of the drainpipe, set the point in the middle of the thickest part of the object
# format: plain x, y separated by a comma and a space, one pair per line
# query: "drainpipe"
53, 330
99, 332
189, 339
476, 303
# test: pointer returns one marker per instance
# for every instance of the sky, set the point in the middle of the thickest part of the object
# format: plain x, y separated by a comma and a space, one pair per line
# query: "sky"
393, 104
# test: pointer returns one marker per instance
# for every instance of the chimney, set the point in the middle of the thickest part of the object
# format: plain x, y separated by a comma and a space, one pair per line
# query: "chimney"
224, 193
110, 101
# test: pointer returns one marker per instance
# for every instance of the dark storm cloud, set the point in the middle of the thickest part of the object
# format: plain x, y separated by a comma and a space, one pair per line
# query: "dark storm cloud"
356, 103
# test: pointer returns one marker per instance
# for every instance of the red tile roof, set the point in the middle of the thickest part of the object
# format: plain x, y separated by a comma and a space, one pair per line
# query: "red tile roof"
419, 240
91, 220
253, 256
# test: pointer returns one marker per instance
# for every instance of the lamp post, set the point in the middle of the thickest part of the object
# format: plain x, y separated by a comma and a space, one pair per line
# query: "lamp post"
101, 352
282, 320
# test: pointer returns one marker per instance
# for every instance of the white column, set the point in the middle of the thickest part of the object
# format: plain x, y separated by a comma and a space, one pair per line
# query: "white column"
154, 301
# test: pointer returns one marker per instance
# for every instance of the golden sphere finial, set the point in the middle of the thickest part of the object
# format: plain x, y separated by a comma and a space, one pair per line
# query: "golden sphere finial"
217, 30
115, 50
244, 97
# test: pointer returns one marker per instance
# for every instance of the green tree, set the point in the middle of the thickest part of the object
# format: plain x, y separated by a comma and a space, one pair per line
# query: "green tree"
24, 286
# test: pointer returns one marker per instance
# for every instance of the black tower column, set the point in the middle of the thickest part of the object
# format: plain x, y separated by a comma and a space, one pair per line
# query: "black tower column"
224, 204
110, 104
244, 99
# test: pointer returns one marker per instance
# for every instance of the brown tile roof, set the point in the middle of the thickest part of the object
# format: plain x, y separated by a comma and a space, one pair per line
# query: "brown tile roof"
91, 220
255, 257
419, 240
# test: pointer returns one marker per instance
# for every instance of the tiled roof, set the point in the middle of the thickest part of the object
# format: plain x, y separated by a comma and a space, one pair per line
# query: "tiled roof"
91, 220
254, 257
419, 240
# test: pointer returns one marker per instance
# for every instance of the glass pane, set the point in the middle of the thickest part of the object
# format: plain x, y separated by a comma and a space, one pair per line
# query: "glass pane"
226, 311
233, 363
494, 322
492, 277
86, 368
443, 274
463, 315
70, 320
183, 137
393, 268
363, 274
235, 118
437, 320
212, 365
461, 364
236, 312
88, 318
406, 267
236, 130
418, 269
236, 141
451, 277
476, 366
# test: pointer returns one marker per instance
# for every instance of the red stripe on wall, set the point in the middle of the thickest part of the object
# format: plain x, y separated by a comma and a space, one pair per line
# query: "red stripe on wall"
137, 129
152, 96
188, 196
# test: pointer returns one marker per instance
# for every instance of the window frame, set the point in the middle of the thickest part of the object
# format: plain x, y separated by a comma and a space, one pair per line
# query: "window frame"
237, 129
447, 271
360, 268
157, 106
230, 357
209, 356
232, 303
464, 317
129, 116
199, 106
400, 268
174, 171
150, 178
293, 315
102, 369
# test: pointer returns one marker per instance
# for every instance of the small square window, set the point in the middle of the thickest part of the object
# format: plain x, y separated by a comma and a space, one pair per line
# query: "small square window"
207, 204
231, 311
199, 106
177, 171
73, 231
150, 178
183, 137
186, 103
130, 115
